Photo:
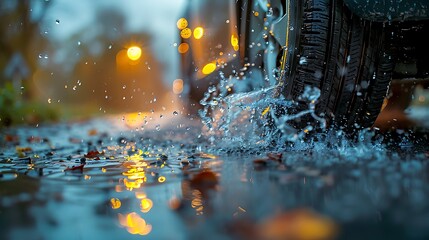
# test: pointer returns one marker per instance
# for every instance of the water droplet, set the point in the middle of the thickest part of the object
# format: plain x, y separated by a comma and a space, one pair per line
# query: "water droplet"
74, 87
212, 89
49, 100
161, 116
125, 86
78, 43
303, 60
175, 113
227, 21
57, 21
110, 46
158, 127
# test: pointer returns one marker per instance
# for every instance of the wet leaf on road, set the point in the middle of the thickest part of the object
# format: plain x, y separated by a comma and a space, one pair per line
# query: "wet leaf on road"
75, 168
92, 132
11, 138
33, 139
93, 154
205, 179
275, 156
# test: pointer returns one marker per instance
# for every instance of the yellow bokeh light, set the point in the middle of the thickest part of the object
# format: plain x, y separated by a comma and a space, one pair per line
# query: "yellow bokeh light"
186, 33
178, 86
183, 48
198, 32
134, 224
116, 203
234, 42
134, 120
146, 205
182, 23
161, 179
140, 195
134, 53
130, 185
209, 68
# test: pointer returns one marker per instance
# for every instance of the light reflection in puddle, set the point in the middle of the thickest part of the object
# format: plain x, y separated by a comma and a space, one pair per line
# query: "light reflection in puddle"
146, 205
134, 223
116, 203
141, 187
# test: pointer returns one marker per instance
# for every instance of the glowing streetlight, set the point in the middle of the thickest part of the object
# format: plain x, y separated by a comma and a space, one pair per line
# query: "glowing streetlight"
134, 53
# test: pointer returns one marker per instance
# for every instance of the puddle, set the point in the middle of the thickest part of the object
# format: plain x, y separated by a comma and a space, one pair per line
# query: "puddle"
100, 180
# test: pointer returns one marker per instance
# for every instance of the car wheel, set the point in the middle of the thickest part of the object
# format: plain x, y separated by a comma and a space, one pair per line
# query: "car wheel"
320, 43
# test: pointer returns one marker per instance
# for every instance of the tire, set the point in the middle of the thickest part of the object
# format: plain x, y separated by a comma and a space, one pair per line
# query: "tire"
344, 56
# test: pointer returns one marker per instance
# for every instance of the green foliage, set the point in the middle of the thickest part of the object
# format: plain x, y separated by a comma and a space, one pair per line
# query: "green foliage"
15, 110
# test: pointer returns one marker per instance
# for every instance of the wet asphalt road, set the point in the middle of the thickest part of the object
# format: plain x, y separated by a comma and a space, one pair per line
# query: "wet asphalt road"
107, 179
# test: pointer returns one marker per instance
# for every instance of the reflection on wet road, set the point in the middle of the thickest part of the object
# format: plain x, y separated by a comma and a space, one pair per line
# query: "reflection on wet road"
102, 180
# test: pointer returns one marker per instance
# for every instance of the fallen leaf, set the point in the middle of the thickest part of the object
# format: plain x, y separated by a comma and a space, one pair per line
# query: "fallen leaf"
93, 154
260, 162
205, 179
92, 132
23, 149
11, 138
75, 168
275, 156
33, 139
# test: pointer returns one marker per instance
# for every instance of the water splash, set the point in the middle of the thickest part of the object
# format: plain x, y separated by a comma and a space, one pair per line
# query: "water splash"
256, 120
250, 120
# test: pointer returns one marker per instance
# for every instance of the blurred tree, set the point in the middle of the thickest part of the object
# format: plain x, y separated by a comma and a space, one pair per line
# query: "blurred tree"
21, 35
90, 76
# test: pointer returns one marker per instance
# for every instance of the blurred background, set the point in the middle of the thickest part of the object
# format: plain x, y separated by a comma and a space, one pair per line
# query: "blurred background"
67, 59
